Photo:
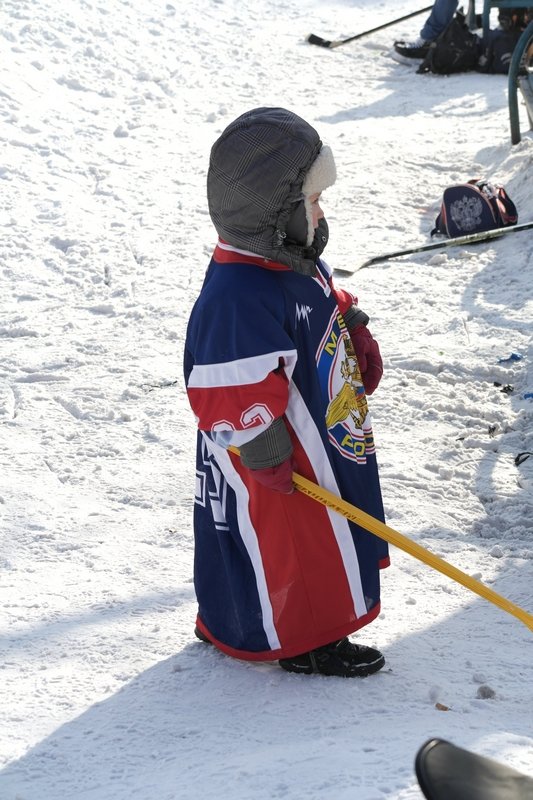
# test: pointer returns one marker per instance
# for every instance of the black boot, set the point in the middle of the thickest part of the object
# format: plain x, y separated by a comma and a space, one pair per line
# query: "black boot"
342, 658
199, 635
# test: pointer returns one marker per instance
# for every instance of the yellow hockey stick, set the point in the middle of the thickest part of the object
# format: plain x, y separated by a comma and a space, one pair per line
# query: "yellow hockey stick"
392, 536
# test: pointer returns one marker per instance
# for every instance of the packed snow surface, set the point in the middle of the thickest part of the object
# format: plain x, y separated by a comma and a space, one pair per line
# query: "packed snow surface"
107, 114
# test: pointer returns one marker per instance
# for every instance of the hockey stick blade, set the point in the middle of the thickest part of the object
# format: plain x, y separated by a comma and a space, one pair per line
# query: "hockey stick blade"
330, 44
312, 39
472, 238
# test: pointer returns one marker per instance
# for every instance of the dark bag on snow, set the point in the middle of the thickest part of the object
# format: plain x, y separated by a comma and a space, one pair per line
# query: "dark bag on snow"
472, 207
497, 57
456, 49
499, 46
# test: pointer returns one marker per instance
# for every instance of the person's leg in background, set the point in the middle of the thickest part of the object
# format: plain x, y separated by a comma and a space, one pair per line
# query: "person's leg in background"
440, 17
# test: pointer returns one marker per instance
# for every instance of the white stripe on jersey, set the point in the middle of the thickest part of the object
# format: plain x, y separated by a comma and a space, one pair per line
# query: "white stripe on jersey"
242, 371
249, 537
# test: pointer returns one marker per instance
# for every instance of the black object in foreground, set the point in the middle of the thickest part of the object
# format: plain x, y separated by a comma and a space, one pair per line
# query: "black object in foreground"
445, 771
312, 39
473, 238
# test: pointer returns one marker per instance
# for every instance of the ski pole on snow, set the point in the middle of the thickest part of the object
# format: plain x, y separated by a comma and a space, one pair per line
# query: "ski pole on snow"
312, 39
392, 536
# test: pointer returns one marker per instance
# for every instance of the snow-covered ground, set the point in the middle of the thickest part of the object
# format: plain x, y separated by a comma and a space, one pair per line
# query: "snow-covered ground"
107, 114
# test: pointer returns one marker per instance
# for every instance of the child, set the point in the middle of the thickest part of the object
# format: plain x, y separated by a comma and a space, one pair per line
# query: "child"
278, 364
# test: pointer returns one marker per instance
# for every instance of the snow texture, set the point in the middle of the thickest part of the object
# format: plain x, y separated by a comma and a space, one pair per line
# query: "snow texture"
107, 114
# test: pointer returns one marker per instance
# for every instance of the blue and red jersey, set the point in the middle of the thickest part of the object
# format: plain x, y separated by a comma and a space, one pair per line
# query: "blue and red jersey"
277, 575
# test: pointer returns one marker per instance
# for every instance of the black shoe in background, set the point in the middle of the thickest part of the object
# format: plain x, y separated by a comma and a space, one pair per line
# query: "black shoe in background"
418, 49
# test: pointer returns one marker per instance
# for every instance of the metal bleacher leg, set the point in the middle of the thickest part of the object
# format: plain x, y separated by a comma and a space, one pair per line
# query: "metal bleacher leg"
471, 15
486, 19
521, 48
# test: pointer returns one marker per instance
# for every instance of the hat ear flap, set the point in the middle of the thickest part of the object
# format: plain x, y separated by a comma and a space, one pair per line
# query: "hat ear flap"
309, 217
297, 228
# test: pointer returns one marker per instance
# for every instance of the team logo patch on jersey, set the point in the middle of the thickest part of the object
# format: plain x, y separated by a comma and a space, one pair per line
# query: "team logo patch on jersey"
347, 419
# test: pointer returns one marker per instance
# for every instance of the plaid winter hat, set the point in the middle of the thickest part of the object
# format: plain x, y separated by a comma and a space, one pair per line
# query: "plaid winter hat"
256, 177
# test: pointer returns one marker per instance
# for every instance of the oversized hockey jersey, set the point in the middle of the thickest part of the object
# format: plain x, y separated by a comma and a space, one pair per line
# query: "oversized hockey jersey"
277, 575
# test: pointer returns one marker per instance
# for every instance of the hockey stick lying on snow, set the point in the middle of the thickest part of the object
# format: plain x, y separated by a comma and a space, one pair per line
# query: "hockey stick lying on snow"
472, 238
392, 536
312, 39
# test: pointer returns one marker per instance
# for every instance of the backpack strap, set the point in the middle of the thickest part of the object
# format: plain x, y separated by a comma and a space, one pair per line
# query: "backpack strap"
502, 205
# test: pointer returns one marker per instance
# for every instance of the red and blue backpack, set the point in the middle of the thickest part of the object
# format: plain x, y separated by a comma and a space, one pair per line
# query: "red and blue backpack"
472, 207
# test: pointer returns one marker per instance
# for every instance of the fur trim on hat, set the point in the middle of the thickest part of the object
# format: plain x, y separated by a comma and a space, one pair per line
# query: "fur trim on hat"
322, 174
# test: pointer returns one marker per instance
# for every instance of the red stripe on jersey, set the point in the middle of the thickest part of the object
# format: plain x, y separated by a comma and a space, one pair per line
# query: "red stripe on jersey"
239, 407
305, 574
226, 254
344, 299
306, 643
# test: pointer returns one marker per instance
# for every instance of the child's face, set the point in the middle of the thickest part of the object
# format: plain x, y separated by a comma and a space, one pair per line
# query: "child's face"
318, 214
